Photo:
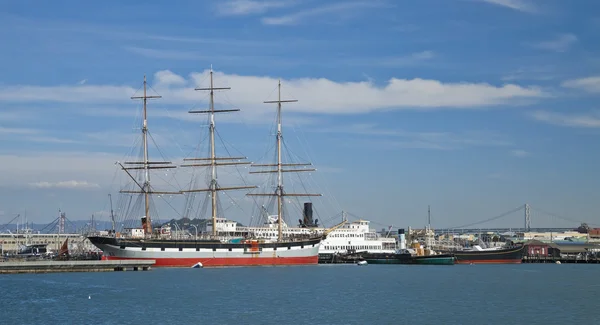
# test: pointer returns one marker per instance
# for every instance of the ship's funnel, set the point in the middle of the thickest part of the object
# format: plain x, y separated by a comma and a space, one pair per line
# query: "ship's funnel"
145, 224
401, 239
308, 214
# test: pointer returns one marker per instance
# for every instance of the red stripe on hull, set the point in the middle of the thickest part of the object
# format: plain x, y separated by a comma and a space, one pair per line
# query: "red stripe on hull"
216, 262
512, 261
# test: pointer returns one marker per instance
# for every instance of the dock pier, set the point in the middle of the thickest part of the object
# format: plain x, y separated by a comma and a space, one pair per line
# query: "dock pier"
74, 266
562, 260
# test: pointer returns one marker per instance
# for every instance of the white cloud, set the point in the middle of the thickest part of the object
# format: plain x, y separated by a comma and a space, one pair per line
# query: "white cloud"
66, 94
331, 10
519, 153
82, 82
519, 5
195, 56
33, 135
589, 84
315, 95
164, 54
18, 169
167, 78
398, 138
82, 170
561, 44
18, 131
389, 61
410, 59
14, 115
531, 73
591, 120
248, 7
49, 139
65, 184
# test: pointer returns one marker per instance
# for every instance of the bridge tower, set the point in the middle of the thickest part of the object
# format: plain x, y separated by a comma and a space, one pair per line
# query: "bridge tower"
527, 218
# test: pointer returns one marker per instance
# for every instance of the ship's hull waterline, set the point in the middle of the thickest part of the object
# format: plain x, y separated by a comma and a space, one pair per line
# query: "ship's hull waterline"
171, 253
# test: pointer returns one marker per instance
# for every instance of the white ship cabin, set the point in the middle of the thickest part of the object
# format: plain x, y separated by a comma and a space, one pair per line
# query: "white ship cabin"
267, 231
223, 226
270, 229
133, 232
357, 236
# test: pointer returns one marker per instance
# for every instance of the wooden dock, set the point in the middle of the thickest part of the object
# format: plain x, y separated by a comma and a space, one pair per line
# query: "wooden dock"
562, 260
74, 266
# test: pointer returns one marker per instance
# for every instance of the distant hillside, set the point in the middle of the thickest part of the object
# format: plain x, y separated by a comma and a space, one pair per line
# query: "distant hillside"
79, 226
76, 226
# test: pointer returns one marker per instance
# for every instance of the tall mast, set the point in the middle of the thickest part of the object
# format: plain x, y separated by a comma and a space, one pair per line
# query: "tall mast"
146, 170
146, 166
213, 160
279, 193
146, 185
112, 216
279, 172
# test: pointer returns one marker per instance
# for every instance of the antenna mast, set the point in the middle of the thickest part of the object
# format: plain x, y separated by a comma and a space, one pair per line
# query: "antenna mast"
213, 160
279, 190
429, 216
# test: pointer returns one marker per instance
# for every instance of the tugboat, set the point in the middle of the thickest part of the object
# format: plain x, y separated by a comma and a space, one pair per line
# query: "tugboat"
408, 256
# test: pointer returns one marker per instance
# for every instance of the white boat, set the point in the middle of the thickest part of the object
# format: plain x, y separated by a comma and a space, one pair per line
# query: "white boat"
350, 236
357, 236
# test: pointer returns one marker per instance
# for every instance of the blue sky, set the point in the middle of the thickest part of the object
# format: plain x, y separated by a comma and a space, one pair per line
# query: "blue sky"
471, 106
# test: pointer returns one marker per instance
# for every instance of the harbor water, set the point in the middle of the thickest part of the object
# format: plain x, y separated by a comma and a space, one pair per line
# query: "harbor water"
323, 294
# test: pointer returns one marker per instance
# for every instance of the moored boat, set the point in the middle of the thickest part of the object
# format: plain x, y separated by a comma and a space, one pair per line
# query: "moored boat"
497, 255
404, 257
217, 248
387, 258
186, 253
441, 259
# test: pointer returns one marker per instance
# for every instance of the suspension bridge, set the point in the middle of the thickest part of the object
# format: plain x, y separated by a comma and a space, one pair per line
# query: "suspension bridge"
527, 213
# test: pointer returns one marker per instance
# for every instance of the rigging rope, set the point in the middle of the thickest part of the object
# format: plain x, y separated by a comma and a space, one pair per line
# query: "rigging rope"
558, 216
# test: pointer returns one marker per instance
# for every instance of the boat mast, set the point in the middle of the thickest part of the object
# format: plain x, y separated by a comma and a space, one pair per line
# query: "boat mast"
146, 165
146, 185
112, 216
279, 172
146, 170
214, 161
279, 190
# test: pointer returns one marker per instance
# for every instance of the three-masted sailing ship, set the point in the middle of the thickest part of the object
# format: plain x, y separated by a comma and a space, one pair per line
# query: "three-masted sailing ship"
219, 248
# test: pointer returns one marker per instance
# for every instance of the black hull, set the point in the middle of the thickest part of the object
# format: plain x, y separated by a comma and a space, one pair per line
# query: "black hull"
512, 255
198, 244
387, 258
406, 258
209, 253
